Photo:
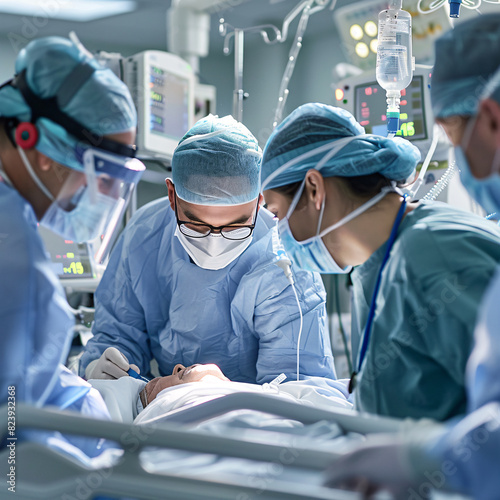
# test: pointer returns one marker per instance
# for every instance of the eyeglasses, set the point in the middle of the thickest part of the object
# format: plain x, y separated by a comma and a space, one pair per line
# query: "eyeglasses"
201, 229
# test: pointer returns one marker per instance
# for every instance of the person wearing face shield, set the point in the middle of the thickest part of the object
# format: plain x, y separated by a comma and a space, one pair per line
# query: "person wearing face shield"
193, 278
420, 268
461, 456
66, 129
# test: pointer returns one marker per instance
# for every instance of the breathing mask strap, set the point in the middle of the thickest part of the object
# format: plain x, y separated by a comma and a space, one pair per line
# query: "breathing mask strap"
30, 170
5, 177
321, 212
295, 200
331, 148
358, 211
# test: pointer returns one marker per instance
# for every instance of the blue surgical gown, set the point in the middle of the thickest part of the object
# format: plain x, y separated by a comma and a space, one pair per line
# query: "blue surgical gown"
36, 322
154, 302
472, 445
422, 336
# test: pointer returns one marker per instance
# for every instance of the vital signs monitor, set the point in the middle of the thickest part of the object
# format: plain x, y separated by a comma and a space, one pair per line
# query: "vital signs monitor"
72, 262
162, 86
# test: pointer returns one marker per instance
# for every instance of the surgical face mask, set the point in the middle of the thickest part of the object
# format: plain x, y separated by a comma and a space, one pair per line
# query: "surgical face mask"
213, 251
85, 222
312, 254
485, 191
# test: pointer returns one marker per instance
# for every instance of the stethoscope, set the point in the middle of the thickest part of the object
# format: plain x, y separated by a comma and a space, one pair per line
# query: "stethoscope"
373, 305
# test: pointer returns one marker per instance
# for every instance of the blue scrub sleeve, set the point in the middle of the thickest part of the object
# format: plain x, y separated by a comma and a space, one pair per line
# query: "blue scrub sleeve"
483, 368
467, 454
119, 318
152, 301
35, 320
275, 323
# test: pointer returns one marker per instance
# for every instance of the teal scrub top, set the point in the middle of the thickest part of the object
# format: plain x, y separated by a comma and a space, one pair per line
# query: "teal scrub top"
422, 336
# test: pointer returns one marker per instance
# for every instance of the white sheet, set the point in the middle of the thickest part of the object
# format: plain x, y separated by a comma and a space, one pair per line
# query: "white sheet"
318, 392
120, 397
254, 426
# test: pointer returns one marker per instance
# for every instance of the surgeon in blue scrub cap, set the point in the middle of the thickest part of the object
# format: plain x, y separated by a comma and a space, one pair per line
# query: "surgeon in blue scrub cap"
420, 268
193, 279
61, 110
463, 455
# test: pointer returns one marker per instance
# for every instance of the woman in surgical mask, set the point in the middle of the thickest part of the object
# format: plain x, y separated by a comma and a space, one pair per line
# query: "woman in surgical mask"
420, 269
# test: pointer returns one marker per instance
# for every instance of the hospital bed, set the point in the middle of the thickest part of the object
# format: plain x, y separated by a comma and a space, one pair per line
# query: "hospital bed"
44, 473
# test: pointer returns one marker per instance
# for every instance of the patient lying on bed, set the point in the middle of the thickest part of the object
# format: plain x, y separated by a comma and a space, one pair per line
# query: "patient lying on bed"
131, 400
181, 375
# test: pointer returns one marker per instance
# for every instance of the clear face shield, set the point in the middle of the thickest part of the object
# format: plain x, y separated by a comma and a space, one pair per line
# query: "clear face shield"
91, 203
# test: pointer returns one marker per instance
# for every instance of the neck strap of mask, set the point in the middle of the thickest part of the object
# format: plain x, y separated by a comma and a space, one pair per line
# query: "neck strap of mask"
358, 211
5, 177
35, 177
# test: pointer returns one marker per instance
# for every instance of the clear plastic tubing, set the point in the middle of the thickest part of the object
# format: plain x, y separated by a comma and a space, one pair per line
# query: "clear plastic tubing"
394, 58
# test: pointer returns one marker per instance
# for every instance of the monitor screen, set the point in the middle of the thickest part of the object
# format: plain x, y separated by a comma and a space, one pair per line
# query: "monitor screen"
168, 103
69, 259
370, 110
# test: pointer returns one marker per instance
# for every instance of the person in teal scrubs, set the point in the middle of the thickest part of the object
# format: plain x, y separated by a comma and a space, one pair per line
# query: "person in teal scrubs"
421, 269
461, 456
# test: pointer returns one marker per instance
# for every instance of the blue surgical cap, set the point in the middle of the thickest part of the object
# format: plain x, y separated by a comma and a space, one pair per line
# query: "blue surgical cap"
466, 59
217, 163
102, 104
314, 125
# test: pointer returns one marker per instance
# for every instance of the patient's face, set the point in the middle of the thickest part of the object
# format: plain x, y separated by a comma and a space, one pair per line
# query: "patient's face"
183, 375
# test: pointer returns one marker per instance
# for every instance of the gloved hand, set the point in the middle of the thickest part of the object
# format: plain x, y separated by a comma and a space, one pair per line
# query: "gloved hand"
111, 365
379, 464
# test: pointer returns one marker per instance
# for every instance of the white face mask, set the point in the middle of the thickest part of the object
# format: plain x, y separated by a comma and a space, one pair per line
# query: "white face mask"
85, 222
312, 254
213, 251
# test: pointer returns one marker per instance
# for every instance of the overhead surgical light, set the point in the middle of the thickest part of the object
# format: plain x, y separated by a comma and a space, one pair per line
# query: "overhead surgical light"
371, 28
362, 50
357, 27
76, 10
374, 45
356, 32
